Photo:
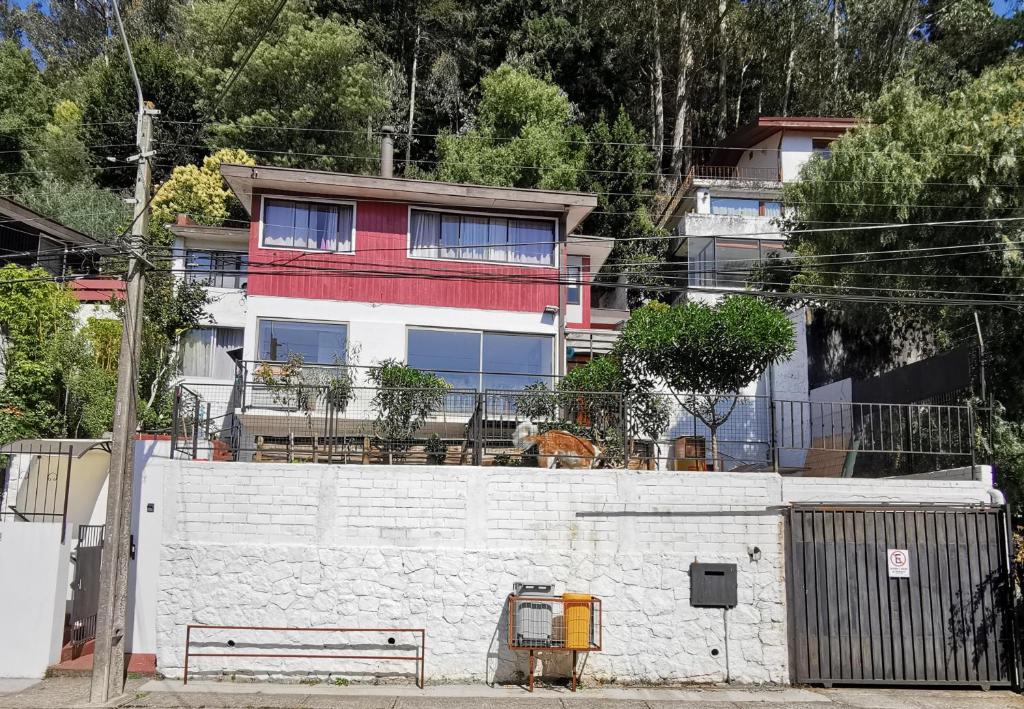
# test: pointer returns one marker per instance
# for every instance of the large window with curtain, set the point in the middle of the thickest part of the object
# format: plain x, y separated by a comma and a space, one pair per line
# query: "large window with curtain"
471, 359
205, 352
316, 343
471, 237
310, 226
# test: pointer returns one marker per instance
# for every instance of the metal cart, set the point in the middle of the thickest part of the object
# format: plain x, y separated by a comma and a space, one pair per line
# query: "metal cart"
538, 621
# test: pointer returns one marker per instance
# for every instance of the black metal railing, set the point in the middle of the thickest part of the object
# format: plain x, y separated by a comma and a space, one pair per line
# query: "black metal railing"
35, 480
650, 431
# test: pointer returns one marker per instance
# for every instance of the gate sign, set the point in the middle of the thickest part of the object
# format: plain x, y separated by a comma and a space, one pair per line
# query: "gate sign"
899, 563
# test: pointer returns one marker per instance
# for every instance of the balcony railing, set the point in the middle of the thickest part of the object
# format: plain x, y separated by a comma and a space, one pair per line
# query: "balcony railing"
732, 172
368, 425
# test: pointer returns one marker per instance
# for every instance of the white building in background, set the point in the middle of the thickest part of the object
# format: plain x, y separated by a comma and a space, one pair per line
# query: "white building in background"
217, 257
725, 218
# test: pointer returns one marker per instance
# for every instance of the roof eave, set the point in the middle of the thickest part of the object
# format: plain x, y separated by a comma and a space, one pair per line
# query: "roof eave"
18, 211
245, 181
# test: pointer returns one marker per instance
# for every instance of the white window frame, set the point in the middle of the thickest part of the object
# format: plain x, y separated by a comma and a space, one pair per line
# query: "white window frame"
314, 200
574, 281
496, 215
186, 250
261, 318
480, 354
216, 338
716, 286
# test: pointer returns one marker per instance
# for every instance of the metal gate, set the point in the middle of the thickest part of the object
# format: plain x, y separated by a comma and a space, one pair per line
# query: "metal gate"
937, 612
85, 589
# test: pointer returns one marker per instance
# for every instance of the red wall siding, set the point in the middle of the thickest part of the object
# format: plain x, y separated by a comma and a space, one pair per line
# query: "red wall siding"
381, 271
586, 279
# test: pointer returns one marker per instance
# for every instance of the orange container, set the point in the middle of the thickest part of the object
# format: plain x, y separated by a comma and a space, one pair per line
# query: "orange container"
577, 620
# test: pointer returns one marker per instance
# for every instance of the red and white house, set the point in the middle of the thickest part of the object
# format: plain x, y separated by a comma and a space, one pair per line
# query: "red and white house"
480, 284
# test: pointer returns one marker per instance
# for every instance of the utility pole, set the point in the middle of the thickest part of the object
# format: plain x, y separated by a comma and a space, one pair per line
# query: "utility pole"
111, 618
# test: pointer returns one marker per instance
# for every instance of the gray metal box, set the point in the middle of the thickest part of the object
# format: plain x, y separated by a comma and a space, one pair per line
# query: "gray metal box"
534, 617
712, 585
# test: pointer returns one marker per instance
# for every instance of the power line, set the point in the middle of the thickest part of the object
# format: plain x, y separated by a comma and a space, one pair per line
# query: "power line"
776, 234
245, 59
793, 295
376, 158
576, 141
37, 150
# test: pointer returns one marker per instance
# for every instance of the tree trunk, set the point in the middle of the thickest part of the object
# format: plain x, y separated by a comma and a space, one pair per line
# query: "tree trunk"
412, 98
682, 93
790, 60
723, 67
835, 41
739, 94
714, 449
658, 95
760, 83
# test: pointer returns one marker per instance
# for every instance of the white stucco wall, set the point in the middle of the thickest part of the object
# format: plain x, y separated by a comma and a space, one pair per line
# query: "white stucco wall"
440, 547
378, 331
764, 155
796, 150
729, 225
147, 528
792, 147
33, 583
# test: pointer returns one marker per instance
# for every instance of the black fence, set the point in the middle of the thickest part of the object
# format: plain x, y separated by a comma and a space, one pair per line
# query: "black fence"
539, 426
35, 480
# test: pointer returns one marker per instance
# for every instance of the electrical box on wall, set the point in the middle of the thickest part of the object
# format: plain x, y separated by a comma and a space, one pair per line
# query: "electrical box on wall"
712, 585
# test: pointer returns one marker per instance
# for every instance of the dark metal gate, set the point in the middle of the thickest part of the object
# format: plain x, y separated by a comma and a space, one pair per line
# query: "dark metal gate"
85, 589
900, 595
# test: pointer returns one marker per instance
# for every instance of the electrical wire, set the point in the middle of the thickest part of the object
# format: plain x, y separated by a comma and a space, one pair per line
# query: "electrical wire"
245, 59
648, 145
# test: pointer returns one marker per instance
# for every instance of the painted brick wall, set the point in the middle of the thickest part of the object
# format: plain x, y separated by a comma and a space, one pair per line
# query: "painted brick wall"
440, 547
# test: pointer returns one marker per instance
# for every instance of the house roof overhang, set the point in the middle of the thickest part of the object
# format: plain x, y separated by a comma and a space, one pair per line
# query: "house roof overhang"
229, 235
728, 151
246, 181
47, 227
596, 247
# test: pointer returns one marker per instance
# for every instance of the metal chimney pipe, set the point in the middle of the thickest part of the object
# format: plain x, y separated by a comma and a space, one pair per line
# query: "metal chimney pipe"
387, 151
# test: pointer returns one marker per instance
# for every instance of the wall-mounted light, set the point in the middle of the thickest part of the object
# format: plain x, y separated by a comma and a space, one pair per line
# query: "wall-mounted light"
551, 310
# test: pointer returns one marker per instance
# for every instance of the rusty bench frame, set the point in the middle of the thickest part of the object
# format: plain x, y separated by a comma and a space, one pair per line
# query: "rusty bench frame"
419, 658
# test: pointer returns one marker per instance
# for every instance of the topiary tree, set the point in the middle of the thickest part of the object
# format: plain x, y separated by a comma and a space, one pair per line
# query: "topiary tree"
706, 353
405, 398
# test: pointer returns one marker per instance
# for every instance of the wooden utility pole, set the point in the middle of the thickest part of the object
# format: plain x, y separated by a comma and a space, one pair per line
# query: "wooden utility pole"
111, 617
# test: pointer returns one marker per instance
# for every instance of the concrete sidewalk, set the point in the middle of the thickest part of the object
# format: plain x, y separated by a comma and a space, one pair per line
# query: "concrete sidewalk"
68, 693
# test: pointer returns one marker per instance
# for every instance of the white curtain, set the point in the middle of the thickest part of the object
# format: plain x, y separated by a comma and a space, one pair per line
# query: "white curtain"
424, 233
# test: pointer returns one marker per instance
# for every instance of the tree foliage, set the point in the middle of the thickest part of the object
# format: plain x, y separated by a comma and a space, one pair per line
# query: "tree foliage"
524, 135
405, 397
55, 382
196, 191
322, 87
23, 104
705, 354
920, 159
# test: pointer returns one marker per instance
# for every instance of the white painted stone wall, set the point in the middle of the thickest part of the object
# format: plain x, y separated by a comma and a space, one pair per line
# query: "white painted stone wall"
440, 547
